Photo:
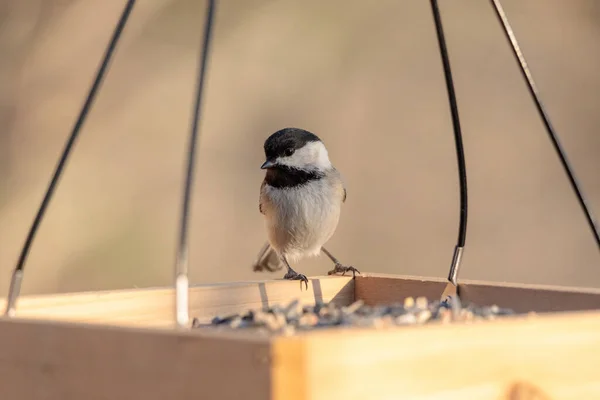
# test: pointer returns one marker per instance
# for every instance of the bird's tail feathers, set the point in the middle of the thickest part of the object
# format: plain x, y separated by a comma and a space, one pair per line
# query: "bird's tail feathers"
267, 260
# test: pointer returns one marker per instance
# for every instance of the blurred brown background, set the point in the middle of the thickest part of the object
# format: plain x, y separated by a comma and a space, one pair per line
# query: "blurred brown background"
365, 76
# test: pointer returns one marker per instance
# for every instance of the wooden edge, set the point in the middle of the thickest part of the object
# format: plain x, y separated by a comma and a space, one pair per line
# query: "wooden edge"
57, 361
380, 289
552, 356
154, 307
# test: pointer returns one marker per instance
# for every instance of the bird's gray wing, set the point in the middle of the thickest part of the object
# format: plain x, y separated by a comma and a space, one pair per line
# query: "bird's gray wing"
340, 182
260, 205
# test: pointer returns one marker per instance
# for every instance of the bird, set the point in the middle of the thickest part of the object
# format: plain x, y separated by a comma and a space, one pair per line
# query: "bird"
301, 197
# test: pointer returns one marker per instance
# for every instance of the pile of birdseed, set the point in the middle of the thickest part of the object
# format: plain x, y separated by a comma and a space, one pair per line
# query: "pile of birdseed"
295, 317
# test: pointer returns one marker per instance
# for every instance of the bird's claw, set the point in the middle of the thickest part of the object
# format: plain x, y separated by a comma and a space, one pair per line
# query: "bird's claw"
293, 275
343, 269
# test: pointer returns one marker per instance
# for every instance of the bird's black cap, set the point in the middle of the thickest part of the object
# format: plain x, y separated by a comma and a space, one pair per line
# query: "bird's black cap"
287, 138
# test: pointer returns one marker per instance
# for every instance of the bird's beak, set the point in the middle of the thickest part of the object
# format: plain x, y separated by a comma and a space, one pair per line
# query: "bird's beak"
267, 164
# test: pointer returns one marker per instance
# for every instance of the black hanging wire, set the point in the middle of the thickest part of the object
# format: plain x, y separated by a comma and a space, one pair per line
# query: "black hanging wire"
462, 170
181, 265
17, 275
510, 36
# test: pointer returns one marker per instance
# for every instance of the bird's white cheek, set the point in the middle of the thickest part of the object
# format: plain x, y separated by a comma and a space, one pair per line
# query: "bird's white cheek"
313, 154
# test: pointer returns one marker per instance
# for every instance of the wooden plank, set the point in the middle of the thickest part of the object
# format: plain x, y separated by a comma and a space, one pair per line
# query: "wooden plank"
58, 361
550, 356
154, 307
376, 289
524, 298
381, 289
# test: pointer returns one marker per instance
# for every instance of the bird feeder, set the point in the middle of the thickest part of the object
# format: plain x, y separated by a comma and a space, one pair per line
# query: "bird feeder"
140, 343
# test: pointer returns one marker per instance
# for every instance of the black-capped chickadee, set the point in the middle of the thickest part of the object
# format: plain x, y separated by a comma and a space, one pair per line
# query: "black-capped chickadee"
300, 198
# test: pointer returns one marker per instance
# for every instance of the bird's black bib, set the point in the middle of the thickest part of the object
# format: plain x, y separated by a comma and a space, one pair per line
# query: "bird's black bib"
287, 177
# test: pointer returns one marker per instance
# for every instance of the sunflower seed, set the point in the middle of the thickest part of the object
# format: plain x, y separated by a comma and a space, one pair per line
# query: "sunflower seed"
287, 319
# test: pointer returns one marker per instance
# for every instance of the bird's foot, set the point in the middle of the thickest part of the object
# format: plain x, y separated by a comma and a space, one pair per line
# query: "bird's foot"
343, 269
293, 275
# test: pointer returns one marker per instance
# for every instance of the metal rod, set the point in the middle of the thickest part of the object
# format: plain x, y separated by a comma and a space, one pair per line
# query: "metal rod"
181, 265
549, 128
17, 276
462, 170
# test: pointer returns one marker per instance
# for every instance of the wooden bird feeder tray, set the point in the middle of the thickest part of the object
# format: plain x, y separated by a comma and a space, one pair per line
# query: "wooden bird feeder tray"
123, 344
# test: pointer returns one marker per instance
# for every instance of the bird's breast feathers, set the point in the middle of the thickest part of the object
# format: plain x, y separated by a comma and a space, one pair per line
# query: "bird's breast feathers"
314, 197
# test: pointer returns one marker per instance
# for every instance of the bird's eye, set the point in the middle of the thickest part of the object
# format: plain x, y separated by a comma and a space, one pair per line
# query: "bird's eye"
288, 152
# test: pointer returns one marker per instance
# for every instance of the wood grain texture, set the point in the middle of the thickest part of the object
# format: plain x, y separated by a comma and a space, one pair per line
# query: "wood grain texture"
376, 289
60, 361
289, 369
380, 289
554, 356
154, 307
